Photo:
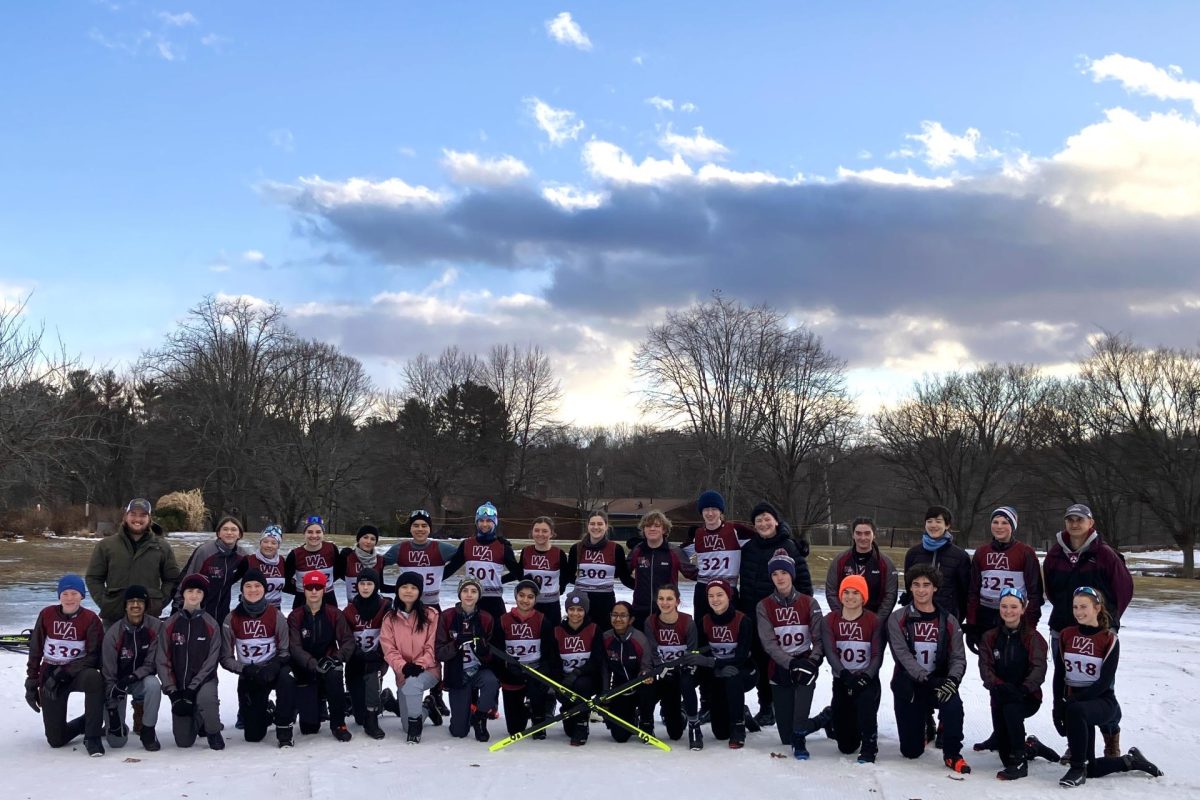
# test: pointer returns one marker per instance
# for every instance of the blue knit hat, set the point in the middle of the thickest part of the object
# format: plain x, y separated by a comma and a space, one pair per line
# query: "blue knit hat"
711, 499
1009, 513
71, 581
781, 560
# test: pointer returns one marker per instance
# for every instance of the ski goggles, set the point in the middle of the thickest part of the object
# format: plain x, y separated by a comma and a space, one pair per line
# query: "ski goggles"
1013, 591
314, 520
1090, 592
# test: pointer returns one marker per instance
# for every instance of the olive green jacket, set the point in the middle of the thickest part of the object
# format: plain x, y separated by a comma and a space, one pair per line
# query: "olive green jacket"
115, 566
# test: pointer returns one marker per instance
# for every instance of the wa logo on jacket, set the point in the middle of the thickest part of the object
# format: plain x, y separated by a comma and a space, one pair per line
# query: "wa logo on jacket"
314, 560
593, 556
522, 630
1083, 645
925, 631
539, 561
63, 628
712, 541
574, 644
668, 636
722, 634
418, 558
255, 629
850, 630
786, 615
997, 561
481, 552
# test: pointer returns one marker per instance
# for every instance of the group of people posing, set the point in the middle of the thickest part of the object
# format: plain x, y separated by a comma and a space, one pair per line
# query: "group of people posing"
755, 626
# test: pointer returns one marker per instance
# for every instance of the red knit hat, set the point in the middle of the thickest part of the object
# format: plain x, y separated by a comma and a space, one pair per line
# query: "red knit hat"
724, 586
857, 583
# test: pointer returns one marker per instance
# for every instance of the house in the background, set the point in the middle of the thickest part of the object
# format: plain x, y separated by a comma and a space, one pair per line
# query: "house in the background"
625, 512
516, 516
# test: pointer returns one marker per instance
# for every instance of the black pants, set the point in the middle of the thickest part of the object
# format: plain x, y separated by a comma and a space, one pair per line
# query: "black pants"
551, 611
677, 693
363, 682
310, 688
586, 685
792, 704
1083, 717
60, 731
516, 717
728, 698
600, 606
761, 662
1008, 726
856, 717
626, 707
1059, 683
484, 687
252, 704
914, 703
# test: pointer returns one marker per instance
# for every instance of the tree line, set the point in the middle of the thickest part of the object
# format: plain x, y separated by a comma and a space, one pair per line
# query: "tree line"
271, 426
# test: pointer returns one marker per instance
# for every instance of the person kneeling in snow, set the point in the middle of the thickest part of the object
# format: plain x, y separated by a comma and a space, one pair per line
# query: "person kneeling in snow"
320, 642
728, 633
129, 662
187, 667
256, 647
64, 652
407, 635
463, 635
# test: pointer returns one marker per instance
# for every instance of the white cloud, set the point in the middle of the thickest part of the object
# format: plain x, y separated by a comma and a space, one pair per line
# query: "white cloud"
606, 161
943, 148
254, 256
282, 139
572, 198
639, 60
470, 169
392, 192
565, 30
214, 41
714, 173
888, 177
448, 278
167, 51
1144, 78
697, 147
177, 20
559, 124
661, 103
407, 152
689, 108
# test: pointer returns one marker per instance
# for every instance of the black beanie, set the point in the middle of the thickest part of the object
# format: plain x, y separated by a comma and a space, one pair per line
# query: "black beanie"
371, 575
765, 508
365, 530
137, 592
253, 576
412, 579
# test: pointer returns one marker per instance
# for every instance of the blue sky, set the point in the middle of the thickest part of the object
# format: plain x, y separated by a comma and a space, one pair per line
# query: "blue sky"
924, 184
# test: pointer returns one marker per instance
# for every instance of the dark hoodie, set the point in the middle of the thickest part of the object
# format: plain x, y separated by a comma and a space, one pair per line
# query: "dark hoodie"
754, 583
1094, 564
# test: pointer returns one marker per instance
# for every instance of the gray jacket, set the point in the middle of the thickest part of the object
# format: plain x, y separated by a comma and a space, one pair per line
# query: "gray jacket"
951, 663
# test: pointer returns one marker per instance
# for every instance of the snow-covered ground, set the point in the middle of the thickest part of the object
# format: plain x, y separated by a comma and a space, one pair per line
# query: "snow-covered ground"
1159, 677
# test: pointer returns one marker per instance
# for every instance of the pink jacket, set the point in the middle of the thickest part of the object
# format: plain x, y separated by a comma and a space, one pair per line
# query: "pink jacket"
402, 643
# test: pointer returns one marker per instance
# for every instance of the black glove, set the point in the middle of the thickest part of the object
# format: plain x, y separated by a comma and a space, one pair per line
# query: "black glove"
1008, 693
268, 673
862, 681
183, 702
946, 688
1059, 715
694, 660
125, 681
412, 670
31, 695
116, 693
328, 664
727, 671
251, 671
973, 639
804, 671
52, 681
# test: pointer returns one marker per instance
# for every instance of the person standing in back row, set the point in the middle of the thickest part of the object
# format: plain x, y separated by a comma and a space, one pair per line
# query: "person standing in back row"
219, 561
314, 555
865, 559
485, 557
717, 548
136, 554
594, 564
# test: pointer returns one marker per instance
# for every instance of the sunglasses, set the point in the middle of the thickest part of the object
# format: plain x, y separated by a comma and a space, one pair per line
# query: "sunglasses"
314, 588
1090, 592
1012, 591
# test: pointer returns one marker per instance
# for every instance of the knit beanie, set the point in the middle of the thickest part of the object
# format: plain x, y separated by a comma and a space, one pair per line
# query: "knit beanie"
578, 600
272, 532
781, 560
195, 581
369, 574
1009, 513
857, 583
71, 581
711, 499
470, 582
410, 578
527, 584
724, 585
366, 530
137, 592
765, 508
420, 513
253, 576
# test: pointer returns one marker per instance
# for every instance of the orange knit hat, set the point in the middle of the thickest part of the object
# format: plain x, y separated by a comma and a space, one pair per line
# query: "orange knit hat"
856, 582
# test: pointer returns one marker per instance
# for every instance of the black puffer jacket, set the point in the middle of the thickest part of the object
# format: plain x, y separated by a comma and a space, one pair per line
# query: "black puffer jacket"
755, 581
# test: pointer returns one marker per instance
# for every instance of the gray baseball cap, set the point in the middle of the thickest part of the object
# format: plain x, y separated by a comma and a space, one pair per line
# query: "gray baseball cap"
1078, 510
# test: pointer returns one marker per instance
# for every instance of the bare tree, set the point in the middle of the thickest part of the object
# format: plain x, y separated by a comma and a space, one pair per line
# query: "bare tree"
956, 441
710, 369
808, 418
427, 379
1152, 400
524, 380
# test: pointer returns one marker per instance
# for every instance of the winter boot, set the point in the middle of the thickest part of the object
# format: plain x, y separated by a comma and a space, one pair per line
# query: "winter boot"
695, 736
814, 724
705, 714
283, 735
579, 734
765, 716
1066, 757
438, 700
309, 728
987, 745
535, 722
737, 736
1076, 776
115, 730
432, 711
937, 736
1112, 744
957, 764
371, 725
1035, 749
149, 740
479, 721
1136, 761
748, 719
1015, 769
216, 741
389, 702
341, 732
95, 747
799, 747
414, 729
870, 748
240, 724
139, 709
